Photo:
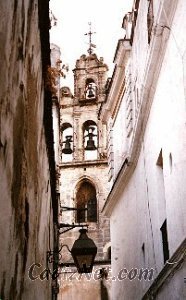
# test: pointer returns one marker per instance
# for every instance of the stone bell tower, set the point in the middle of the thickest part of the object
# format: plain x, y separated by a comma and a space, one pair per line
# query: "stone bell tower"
83, 169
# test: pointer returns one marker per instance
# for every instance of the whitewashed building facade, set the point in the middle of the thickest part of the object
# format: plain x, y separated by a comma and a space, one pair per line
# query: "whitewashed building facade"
145, 113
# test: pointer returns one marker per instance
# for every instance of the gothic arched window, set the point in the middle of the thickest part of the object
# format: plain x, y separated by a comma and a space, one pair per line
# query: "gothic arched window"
66, 142
90, 140
86, 203
90, 89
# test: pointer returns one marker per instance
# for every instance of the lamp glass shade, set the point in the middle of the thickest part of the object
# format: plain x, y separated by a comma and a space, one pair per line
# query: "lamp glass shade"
83, 252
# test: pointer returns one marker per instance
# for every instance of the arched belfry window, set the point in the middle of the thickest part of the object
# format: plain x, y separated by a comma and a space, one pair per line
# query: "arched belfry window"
86, 203
90, 140
66, 142
90, 89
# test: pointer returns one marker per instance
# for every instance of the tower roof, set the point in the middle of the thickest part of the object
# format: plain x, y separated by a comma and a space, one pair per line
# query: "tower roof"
91, 60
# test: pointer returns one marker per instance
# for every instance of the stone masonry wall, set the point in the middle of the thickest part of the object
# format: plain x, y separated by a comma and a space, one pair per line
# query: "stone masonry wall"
99, 231
26, 219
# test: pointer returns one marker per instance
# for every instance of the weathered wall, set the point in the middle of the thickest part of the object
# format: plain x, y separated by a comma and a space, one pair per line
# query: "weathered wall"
26, 221
84, 286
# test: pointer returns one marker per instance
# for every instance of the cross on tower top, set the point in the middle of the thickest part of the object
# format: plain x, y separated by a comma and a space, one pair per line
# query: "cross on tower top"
90, 50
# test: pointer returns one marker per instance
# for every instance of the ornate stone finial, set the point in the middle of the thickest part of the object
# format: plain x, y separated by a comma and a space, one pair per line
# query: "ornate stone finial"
90, 50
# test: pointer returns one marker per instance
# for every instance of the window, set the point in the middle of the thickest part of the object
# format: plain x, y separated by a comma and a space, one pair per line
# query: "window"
109, 253
161, 200
160, 160
150, 19
86, 203
165, 241
143, 253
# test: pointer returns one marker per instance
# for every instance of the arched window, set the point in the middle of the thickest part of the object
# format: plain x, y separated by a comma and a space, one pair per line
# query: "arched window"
90, 89
90, 140
67, 143
86, 203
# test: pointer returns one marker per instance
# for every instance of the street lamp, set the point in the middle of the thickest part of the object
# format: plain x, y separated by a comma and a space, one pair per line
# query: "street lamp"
83, 252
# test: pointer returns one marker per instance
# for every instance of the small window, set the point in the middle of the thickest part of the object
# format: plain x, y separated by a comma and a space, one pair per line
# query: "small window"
170, 161
86, 203
150, 19
143, 252
165, 241
160, 160
109, 253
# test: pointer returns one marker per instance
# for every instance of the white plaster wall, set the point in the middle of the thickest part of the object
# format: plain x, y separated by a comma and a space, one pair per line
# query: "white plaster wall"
119, 148
130, 228
142, 207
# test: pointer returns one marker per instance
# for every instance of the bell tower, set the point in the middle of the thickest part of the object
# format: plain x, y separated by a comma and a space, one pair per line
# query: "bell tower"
83, 168
90, 75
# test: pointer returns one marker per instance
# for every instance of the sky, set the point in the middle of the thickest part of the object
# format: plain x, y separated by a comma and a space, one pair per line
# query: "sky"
73, 17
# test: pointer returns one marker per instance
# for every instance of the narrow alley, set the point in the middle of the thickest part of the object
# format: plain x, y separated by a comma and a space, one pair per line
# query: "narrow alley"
92, 176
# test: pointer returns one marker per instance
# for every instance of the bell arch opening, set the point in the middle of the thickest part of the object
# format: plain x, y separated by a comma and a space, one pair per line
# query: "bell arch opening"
90, 140
66, 142
90, 89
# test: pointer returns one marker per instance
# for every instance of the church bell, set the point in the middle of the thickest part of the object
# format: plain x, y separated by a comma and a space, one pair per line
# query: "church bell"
67, 148
90, 142
90, 93
90, 145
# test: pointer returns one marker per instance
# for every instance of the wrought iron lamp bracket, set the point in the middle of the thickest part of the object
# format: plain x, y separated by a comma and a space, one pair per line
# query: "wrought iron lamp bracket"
70, 227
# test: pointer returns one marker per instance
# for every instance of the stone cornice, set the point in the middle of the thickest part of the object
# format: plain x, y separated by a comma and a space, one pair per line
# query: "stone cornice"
113, 98
86, 163
121, 180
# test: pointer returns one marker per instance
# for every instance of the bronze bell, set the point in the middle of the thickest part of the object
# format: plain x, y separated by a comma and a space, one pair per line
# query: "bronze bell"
90, 142
90, 145
90, 93
67, 148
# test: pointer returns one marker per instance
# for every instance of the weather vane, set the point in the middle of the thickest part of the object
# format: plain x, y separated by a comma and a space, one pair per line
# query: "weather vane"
90, 50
